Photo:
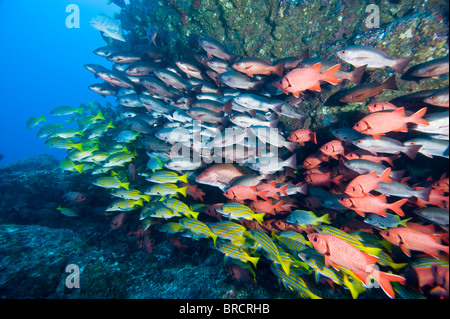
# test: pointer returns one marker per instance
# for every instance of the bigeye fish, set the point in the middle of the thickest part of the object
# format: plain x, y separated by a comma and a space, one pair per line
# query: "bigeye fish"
359, 55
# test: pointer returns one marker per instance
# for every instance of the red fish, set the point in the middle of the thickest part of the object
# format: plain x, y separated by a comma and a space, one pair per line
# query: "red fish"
240, 193
409, 239
301, 79
440, 276
437, 197
252, 66
380, 123
372, 204
318, 179
303, 135
272, 190
366, 155
442, 184
339, 253
118, 220
266, 206
333, 148
381, 106
75, 197
363, 184
314, 160
132, 171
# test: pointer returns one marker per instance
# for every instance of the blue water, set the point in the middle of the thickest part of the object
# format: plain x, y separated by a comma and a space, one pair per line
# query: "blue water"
41, 67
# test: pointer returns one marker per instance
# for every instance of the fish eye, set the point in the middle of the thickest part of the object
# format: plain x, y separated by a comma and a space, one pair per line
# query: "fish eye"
357, 124
343, 51
353, 189
413, 143
359, 141
300, 65
387, 233
238, 64
432, 98
315, 239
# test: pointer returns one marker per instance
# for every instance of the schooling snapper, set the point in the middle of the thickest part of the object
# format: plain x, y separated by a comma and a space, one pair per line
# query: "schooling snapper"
206, 145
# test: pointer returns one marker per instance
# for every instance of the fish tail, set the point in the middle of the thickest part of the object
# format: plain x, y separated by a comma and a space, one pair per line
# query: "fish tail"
146, 197
99, 116
79, 168
384, 280
283, 189
357, 74
417, 117
42, 118
314, 138
259, 217
324, 219
292, 161
278, 68
412, 150
424, 194
328, 76
384, 177
253, 260
78, 146
400, 64
193, 214
79, 110
227, 107
390, 160
404, 221
390, 84
274, 123
183, 178
182, 191
286, 265
396, 207
125, 185
214, 237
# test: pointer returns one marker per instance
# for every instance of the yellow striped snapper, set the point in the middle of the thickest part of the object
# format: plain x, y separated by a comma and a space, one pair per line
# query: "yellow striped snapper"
65, 133
86, 121
171, 228
165, 190
179, 207
131, 194
47, 129
110, 182
164, 212
66, 110
64, 143
68, 165
198, 227
166, 177
239, 211
35, 121
99, 130
267, 244
119, 159
124, 205
80, 155
67, 211
234, 252
293, 282
229, 230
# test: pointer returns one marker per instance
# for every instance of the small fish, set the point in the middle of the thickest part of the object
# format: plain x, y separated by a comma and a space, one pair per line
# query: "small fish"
267, 244
75, 197
124, 205
272, 137
438, 124
257, 102
252, 66
230, 231
362, 92
171, 228
131, 194
384, 222
66, 110
67, 211
64, 143
362, 185
241, 193
339, 253
68, 165
380, 106
433, 214
165, 190
198, 227
372, 204
221, 175
359, 55
110, 182
409, 239
239, 211
190, 69
110, 26
429, 146
380, 123
293, 282
402, 190
266, 207
302, 136
304, 218
438, 98
237, 80
234, 252
162, 177
432, 68
270, 164
333, 148
301, 79
215, 48
387, 145
180, 207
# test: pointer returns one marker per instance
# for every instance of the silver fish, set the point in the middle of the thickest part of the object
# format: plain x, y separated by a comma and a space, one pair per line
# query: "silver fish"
430, 146
402, 190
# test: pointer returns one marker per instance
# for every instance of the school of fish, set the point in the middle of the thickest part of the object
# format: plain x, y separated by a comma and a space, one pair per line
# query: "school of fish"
197, 149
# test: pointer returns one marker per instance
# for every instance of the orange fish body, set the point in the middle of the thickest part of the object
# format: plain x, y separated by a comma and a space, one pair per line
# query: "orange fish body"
303, 135
319, 179
372, 204
314, 160
409, 239
381, 106
442, 184
266, 206
437, 197
240, 193
271, 190
366, 155
339, 253
333, 148
252, 66
380, 123
364, 184
302, 79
